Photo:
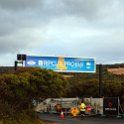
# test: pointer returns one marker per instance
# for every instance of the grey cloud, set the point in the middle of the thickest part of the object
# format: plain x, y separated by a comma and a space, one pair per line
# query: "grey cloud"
19, 4
11, 45
86, 8
11, 22
17, 16
82, 8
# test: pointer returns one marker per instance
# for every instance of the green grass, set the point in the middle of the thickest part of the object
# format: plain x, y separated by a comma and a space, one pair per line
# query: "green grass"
1, 122
20, 121
22, 118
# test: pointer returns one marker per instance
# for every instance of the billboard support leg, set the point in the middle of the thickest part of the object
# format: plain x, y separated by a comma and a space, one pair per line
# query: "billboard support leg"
100, 80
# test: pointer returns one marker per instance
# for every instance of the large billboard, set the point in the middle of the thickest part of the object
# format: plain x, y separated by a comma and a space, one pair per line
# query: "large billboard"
62, 64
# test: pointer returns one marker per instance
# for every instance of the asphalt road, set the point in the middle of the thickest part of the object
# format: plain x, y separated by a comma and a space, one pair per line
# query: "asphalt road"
77, 120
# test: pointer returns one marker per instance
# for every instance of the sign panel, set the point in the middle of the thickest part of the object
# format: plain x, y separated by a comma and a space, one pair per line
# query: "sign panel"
62, 64
110, 106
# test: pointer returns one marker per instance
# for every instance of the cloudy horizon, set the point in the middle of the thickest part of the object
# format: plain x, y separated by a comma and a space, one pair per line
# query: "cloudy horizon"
85, 28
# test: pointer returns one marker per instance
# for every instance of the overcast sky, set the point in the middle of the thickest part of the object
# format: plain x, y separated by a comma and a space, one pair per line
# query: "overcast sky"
85, 28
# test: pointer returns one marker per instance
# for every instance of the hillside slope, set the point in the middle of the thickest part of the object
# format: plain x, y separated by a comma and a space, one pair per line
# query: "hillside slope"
118, 71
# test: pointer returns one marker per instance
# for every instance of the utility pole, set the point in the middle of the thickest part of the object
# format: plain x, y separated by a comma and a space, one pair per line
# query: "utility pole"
16, 64
100, 80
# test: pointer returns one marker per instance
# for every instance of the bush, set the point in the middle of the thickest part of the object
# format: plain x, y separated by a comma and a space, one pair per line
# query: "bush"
17, 91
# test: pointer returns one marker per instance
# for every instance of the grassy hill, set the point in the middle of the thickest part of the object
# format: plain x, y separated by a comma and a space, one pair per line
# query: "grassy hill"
117, 71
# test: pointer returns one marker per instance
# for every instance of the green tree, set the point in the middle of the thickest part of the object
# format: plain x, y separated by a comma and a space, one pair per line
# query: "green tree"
18, 90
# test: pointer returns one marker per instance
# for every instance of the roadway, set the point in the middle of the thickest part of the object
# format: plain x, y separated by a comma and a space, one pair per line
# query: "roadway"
54, 118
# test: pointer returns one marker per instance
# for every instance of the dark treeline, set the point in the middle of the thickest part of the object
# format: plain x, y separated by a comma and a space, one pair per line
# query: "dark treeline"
18, 89
115, 65
88, 84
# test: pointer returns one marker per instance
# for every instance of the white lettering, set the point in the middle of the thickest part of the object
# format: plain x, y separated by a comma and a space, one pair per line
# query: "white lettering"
111, 109
46, 63
74, 64
31, 62
40, 62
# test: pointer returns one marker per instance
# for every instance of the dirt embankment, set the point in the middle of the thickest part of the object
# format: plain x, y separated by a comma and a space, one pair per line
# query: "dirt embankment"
117, 71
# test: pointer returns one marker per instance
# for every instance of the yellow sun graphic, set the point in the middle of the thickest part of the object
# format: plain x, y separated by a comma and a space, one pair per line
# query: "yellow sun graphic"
61, 64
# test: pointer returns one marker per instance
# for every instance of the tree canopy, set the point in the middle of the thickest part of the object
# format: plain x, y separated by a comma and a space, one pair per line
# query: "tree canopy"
18, 90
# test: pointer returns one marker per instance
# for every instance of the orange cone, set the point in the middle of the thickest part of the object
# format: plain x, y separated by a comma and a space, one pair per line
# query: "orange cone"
62, 114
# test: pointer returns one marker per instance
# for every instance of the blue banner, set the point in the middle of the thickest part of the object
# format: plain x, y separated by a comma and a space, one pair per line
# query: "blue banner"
62, 64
